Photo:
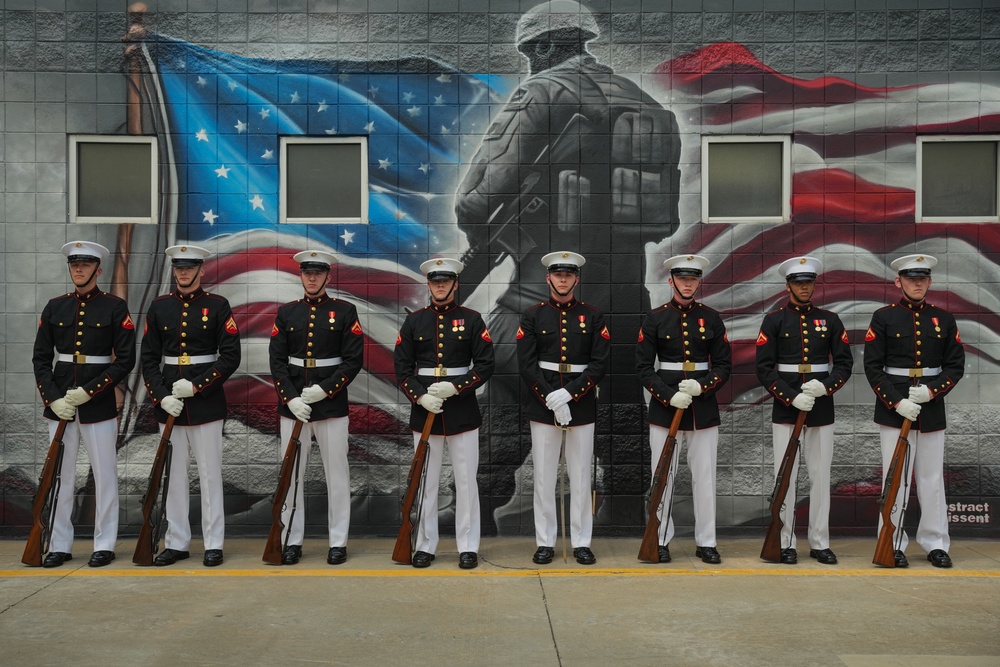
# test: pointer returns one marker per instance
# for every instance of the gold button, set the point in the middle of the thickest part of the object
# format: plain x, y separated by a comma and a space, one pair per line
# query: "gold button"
310, 334
184, 334
805, 349
805, 340
184, 324
309, 344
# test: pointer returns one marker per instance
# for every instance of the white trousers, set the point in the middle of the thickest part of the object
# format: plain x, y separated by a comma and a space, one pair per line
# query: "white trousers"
545, 444
702, 452
331, 438
205, 440
926, 462
816, 446
463, 449
99, 440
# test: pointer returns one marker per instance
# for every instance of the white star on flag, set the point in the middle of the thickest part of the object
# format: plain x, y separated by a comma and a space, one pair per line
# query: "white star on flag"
264, 113
223, 171
384, 164
332, 130
232, 85
209, 216
414, 111
424, 167
370, 127
267, 155
372, 91
439, 99
240, 126
296, 98
408, 97
201, 81
323, 106
347, 236
257, 202
399, 215
202, 135
444, 78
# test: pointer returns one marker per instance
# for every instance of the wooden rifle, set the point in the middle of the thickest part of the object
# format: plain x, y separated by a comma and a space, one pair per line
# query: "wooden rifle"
45, 496
159, 477
885, 554
649, 550
771, 551
272, 550
403, 551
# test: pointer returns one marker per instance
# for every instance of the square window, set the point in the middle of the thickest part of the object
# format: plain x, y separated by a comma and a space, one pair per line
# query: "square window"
324, 180
113, 179
746, 179
957, 179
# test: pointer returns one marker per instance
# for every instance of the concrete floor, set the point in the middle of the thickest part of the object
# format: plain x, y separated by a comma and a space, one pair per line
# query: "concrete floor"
508, 611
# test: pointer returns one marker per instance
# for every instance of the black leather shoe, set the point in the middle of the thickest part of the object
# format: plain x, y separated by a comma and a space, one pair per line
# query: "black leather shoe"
56, 558
789, 556
708, 555
170, 556
468, 560
336, 555
292, 554
939, 558
213, 558
584, 556
664, 553
824, 556
422, 559
101, 558
543, 555
900, 559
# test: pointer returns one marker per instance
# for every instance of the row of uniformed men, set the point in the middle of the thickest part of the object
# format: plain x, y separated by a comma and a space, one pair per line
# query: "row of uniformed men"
444, 353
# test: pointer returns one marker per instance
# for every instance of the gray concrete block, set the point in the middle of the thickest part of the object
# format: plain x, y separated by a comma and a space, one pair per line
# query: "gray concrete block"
778, 26
474, 29
810, 26
933, 24
625, 28
718, 27
902, 25
687, 27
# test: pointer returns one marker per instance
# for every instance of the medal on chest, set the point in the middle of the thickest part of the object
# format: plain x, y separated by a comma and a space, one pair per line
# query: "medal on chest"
701, 324
331, 315
937, 324
204, 314
458, 325
583, 321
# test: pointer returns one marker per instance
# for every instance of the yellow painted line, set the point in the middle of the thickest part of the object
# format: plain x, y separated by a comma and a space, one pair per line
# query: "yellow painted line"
404, 571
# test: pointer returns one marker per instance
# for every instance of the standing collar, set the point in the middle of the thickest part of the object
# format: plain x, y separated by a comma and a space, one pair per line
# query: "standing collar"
563, 306
802, 310
189, 297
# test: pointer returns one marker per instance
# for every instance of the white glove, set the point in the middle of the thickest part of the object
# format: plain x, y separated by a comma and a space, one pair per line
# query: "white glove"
431, 403
300, 409
907, 409
442, 390
556, 398
77, 396
183, 389
63, 409
681, 400
312, 394
172, 406
814, 388
563, 415
690, 387
920, 394
803, 402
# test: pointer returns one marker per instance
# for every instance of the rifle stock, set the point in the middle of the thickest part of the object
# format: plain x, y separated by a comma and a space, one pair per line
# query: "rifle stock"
272, 550
48, 486
771, 551
145, 547
403, 551
649, 550
885, 555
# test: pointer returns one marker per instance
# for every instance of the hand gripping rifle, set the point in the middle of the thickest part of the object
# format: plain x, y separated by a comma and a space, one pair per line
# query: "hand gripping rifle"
771, 551
649, 550
403, 551
885, 555
45, 496
159, 477
272, 550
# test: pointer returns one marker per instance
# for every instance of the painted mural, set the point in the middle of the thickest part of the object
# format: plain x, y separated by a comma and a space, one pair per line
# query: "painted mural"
499, 170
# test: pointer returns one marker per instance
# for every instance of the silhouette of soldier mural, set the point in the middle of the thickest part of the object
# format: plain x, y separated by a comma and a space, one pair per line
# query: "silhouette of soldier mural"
581, 158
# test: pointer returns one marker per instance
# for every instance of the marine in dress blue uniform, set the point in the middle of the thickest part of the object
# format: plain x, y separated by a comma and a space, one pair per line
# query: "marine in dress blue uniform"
563, 349
803, 358
913, 358
443, 354
84, 346
682, 358
316, 350
190, 347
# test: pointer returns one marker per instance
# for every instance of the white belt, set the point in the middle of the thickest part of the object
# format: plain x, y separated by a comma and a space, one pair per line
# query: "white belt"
441, 372
912, 372
803, 368
188, 360
315, 363
681, 365
562, 368
83, 359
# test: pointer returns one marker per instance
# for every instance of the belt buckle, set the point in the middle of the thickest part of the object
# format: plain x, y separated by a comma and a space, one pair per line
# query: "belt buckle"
184, 360
805, 368
440, 372
687, 366
565, 368
79, 358
916, 372
309, 363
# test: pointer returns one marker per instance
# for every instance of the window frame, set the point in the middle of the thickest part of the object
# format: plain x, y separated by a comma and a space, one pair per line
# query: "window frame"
75, 140
919, 189
786, 176
283, 171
